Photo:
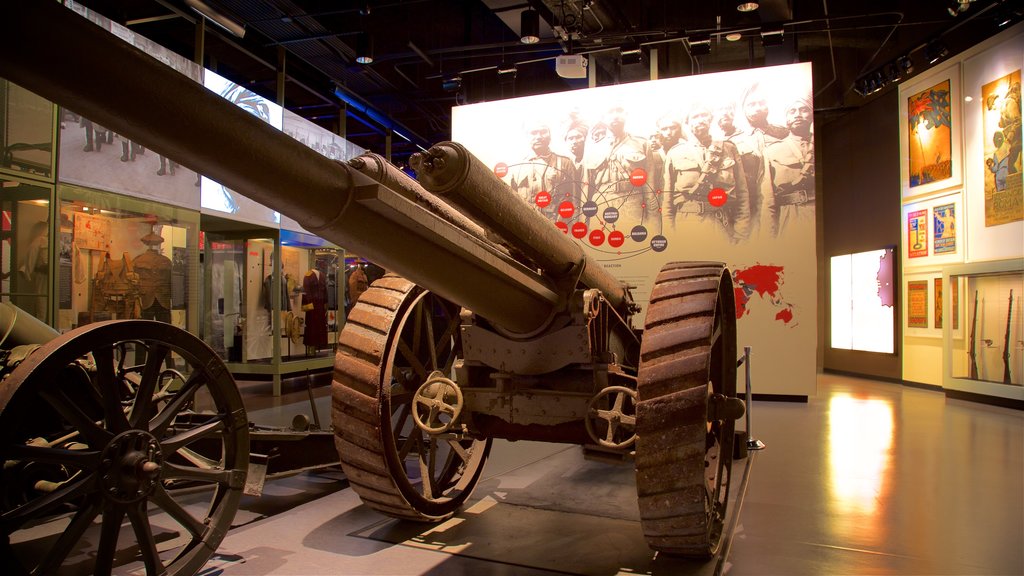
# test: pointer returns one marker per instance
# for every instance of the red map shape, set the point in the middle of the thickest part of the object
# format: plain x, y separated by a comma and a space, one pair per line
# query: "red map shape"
765, 281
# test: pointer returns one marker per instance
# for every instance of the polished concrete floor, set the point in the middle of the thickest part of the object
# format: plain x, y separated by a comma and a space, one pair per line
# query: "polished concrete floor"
865, 478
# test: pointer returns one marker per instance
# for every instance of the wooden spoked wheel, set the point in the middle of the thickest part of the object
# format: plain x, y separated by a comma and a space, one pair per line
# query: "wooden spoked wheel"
96, 428
395, 338
683, 453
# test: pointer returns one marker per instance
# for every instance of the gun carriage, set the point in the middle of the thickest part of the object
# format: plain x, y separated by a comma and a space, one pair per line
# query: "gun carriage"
493, 325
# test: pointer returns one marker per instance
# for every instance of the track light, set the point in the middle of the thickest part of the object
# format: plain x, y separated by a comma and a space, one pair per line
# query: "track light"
743, 6
224, 21
699, 44
631, 53
905, 65
364, 48
453, 84
772, 36
529, 26
506, 73
935, 51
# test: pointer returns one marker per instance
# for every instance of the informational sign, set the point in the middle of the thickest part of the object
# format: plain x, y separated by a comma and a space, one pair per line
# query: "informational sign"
711, 167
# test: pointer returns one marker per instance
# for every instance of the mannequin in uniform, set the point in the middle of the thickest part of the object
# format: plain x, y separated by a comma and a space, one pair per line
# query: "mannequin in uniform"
154, 271
314, 303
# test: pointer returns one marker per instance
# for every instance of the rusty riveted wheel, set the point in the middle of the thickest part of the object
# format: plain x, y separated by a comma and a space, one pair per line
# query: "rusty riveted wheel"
396, 337
684, 446
96, 427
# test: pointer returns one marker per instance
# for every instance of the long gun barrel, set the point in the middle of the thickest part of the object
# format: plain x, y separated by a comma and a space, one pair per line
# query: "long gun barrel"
972, 351
1006, 342
122, 88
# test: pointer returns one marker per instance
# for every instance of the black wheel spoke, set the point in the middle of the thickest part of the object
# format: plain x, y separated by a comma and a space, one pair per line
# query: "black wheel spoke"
77, 459
158, 425
179, 441
217, 476
69, 537
94, 434
107, 384
110, 531
65, 494
139, 518
168, 504
155, 357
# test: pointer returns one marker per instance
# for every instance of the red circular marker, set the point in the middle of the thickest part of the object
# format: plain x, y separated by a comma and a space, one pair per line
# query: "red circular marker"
597, 237
717, 197
638, 177
542, 199
566, 209
562, 226
616, 239
500, 169
579, 230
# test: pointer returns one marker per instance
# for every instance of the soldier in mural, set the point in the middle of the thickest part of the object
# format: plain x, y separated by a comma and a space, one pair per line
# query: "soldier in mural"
669, 133
705, 183
751, 144
610, 181
543, 171
791, 169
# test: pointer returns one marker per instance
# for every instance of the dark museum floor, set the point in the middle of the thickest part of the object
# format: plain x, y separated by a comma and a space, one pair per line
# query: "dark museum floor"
865, 478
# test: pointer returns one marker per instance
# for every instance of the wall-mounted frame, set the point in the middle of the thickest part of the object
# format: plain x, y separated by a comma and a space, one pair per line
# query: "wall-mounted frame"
933, 231
930, 157
919, 305
994, 201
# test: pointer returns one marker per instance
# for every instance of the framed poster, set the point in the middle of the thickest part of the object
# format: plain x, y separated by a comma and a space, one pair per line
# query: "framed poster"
919, 305
993, 217
930, 132
933, 231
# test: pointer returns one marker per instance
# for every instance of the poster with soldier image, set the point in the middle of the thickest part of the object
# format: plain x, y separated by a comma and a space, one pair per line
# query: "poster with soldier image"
1001, 111
709, 167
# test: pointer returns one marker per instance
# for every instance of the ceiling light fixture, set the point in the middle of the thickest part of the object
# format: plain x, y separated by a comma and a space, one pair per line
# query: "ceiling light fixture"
699, 44
733, 36
631, 53
219, 18
453, 84
364, 48
772, 36
747, 6
529, 26
935, 51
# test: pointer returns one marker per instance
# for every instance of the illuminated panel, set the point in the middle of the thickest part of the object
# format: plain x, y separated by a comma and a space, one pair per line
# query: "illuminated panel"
862, 301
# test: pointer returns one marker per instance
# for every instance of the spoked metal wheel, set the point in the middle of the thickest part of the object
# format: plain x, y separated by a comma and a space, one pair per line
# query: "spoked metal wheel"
687, 408
96, 427
397, 338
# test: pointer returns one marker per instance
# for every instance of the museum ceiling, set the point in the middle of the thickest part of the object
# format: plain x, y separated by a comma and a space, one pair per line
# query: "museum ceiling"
429, 55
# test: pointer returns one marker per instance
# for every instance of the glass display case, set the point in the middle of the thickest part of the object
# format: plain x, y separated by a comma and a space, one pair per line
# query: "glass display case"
984, 339
270, 298
26, 132
26, 277
122, 258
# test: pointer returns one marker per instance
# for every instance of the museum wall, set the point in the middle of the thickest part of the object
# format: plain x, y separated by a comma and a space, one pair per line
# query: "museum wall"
860, 174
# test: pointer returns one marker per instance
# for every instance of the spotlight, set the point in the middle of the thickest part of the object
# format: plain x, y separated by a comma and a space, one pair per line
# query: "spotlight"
700, 44
529, 26
364, 48
746, 6
453, 84
772, 36
935, 51
631, 53
506, 73
905, 65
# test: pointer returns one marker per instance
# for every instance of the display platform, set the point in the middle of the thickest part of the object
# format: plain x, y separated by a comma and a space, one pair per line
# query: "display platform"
542, 510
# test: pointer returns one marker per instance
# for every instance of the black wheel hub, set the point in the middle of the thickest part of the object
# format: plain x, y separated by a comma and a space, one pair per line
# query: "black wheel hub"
130, 466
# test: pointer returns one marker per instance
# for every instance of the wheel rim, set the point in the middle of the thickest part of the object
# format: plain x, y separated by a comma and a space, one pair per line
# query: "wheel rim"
684, 456
114, 442
398, 468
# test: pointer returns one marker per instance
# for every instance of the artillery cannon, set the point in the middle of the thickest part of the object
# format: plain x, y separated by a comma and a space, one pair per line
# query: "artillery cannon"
495, 326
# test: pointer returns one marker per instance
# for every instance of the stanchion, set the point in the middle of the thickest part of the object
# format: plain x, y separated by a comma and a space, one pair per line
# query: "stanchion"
752, 443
